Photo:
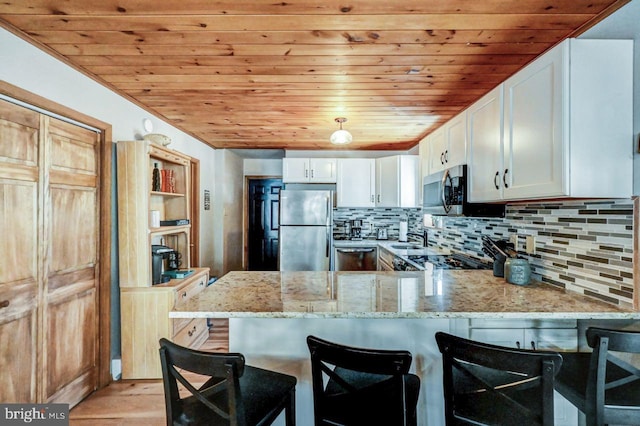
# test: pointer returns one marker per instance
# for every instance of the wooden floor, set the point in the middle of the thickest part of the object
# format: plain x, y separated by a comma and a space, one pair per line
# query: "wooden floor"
139, 402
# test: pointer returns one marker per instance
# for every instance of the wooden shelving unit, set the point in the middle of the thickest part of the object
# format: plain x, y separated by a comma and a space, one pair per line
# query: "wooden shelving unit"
145, 307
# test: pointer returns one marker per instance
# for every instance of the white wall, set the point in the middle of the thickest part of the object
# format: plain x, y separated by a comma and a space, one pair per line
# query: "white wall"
268, 167
227, 205
29, 68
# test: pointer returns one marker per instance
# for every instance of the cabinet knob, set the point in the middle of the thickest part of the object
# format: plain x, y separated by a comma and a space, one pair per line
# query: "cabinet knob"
518, 344
306, 173
504, 178
378, 197
446, 156
312, 173
184, 294
495, 180
372, 198
192, 331
442, 158
533, 345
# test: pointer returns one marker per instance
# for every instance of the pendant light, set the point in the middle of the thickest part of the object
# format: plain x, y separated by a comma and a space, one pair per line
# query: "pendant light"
341, 137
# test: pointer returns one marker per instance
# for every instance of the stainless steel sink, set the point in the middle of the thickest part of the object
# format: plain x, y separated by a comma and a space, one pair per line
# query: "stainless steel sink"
405, 246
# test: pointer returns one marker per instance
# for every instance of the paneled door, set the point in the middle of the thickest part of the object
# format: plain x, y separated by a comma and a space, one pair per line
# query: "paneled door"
264, 199
49, 219
70, 261
19, 267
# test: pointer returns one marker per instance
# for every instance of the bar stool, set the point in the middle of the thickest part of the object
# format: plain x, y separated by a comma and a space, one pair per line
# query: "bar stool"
493, 385
234, 394
603, 386
359, 386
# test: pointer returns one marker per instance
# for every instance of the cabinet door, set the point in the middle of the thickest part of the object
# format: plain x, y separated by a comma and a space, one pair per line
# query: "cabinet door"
565, 414
484, 121
423, 150
533, 130
552, 339
322, 170
437, 151
507, 337
558, 339
456, 140
295, 170
409, 187
356, 182
387, 182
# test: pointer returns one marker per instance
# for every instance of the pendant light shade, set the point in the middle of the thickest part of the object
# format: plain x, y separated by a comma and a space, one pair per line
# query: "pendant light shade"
341, 137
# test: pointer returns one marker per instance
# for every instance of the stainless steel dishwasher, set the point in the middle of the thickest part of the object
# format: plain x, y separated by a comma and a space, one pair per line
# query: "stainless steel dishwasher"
356, 258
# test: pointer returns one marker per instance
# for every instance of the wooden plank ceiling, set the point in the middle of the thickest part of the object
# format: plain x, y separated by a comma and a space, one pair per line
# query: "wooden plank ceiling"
262, 74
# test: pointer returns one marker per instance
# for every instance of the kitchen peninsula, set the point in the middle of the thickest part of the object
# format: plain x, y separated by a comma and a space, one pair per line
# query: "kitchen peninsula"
376, 294
271, 313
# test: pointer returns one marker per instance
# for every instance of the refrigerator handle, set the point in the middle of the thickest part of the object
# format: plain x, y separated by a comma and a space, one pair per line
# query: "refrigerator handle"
328, 242
329, 211
329, 225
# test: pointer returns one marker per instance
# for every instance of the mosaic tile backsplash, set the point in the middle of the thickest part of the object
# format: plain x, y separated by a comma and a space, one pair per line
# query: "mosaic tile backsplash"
584, 246
372, 219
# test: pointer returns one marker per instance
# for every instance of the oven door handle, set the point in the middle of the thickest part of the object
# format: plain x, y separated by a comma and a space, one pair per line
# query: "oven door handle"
446, 176
358, 250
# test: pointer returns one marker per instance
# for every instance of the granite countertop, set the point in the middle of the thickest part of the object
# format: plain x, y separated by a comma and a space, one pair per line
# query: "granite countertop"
383, 294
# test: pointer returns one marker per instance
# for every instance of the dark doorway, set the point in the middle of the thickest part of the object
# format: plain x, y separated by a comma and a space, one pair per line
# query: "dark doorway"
264, 218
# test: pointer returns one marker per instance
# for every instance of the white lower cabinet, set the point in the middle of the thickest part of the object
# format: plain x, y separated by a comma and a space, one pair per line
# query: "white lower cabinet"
558, 335
385, 260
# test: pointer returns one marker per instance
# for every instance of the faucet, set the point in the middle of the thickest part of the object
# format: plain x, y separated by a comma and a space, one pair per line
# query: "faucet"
424, 237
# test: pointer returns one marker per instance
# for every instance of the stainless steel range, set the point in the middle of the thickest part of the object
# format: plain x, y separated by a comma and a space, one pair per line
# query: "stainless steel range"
438, 261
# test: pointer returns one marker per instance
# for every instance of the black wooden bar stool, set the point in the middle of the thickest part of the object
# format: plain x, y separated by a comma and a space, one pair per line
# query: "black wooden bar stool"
235, 394
360, 386
603, 386
494, 385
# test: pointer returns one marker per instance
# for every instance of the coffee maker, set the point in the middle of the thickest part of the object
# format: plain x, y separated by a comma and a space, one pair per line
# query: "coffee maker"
356, 229
158, 254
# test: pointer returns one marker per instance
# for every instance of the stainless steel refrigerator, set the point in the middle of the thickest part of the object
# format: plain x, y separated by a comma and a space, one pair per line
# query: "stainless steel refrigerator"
305, 230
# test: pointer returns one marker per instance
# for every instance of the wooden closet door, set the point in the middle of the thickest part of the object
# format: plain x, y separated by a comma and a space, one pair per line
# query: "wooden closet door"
70, 290
19, 268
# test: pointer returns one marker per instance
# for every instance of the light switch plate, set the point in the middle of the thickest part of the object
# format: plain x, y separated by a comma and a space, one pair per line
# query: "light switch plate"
530, 246
513, 239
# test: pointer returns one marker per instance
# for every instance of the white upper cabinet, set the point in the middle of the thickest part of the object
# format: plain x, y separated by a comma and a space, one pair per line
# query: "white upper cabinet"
423, 152
561, 127
448, 144
383, 182
356, 183
309, 170
437, 148
397, 181
484, 119
533, 119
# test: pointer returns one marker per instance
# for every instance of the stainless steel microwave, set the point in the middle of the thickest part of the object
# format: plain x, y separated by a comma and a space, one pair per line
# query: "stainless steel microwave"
445, 194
